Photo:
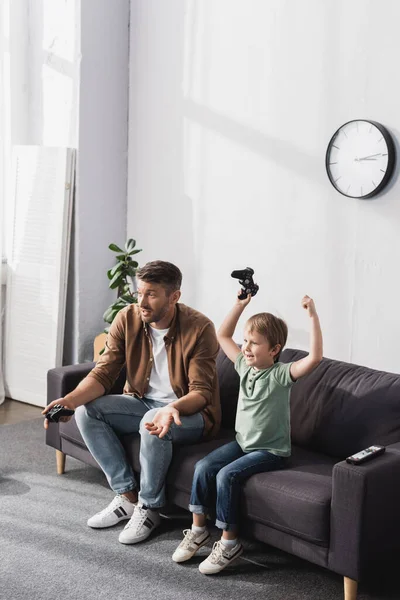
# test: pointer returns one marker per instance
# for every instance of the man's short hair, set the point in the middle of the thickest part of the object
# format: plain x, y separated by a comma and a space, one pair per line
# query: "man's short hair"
162, 272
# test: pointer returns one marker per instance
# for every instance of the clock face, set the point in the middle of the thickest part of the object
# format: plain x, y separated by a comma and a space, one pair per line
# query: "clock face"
360, 159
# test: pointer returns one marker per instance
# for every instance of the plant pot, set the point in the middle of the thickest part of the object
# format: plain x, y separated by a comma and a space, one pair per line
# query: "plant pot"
98, 345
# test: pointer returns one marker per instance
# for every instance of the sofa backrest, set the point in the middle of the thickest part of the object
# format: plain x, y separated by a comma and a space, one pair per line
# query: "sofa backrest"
228, 390
338, 409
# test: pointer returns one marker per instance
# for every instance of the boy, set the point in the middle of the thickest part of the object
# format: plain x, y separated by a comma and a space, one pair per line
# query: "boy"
262, 428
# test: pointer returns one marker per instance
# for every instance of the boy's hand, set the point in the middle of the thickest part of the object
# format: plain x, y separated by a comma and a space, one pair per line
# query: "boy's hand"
308, 304
243, 303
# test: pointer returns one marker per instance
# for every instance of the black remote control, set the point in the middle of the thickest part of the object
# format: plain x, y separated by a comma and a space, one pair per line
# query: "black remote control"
58, 411
245, 277
364, 455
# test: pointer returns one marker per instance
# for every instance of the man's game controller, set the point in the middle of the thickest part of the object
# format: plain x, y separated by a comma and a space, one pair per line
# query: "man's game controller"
245, 277
58, 411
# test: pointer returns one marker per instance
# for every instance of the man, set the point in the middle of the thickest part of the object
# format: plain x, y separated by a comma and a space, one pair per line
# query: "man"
170, 395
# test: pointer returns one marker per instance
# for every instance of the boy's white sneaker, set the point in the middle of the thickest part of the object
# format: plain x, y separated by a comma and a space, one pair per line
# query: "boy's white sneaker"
220, 558
120, 509
190, 544
142, 523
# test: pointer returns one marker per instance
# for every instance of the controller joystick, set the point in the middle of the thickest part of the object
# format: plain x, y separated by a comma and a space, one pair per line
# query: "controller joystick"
58, 411
245, 277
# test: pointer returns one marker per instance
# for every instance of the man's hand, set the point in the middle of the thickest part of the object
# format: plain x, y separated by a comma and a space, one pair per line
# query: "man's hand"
308, 304
162, 421
64, 402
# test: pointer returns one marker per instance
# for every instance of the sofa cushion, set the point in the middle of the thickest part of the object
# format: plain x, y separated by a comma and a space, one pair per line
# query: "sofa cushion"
229, 390
295, 499
70, 432
181, 471
341, 408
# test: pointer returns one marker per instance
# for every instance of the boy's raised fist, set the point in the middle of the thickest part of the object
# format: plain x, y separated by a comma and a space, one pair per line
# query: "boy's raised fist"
308, 304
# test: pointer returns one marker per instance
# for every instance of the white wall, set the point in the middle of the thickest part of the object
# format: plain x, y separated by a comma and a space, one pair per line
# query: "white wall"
232, 105
70, 88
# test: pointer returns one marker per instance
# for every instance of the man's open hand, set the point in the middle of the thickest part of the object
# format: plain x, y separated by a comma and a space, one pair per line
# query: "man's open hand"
163, 420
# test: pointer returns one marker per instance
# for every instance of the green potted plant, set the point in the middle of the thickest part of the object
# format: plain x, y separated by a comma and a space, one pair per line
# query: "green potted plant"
121, 278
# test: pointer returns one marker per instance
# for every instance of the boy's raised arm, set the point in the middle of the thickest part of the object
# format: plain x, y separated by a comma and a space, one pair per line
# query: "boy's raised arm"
307, 364
227, 329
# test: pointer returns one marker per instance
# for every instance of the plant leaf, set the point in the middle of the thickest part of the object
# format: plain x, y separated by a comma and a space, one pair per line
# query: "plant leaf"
130, 244
116, 268
107, 315
115, 248
127, 298
121, 257
134, 252
116, 281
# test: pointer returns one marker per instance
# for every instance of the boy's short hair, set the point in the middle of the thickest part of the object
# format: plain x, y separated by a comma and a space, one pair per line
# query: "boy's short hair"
271, 327
162, 272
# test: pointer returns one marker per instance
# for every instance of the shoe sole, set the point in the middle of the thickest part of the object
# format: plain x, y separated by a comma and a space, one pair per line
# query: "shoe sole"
137, 539
214, 572
107, 526
203, 543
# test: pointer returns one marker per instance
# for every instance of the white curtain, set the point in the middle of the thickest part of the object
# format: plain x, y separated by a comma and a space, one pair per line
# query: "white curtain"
4, 157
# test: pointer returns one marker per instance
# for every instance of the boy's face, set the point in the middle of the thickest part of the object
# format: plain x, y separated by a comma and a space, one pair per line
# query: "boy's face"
257, 350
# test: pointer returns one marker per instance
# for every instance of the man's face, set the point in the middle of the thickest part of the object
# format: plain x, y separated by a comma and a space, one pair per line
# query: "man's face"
154, 302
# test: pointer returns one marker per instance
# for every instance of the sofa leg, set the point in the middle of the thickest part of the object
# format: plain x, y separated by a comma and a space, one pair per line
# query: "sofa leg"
60, 459
350, 589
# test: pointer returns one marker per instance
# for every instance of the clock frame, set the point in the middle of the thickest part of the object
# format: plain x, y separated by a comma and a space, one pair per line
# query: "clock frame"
388, 149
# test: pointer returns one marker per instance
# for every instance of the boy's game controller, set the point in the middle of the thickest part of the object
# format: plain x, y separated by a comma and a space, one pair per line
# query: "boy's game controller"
245, 277
58, 411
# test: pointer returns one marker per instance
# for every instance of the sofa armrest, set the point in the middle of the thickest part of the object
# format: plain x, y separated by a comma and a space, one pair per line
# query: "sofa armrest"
365, 519
61, 381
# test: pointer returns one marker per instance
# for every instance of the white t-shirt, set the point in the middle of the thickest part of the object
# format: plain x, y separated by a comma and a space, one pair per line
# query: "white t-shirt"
159, 384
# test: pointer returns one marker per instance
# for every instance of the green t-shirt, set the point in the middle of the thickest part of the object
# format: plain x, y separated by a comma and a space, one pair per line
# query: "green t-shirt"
263, 411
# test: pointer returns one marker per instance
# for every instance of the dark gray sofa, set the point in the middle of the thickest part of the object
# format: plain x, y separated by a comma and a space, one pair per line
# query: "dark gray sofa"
343, 517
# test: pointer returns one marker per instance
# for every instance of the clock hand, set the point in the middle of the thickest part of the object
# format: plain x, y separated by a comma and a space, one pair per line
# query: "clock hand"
370, 156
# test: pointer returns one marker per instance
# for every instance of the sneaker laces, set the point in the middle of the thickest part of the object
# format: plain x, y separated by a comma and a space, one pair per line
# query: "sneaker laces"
216, 553
188, 539
138, 518
115, 503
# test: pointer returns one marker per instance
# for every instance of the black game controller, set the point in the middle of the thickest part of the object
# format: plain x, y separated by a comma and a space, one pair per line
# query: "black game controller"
245, 277
58, 411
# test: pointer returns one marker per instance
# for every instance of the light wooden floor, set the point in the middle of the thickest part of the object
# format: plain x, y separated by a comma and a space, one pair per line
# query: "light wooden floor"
12, 411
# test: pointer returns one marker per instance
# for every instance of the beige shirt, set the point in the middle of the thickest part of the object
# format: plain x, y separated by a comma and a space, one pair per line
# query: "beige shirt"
192, 349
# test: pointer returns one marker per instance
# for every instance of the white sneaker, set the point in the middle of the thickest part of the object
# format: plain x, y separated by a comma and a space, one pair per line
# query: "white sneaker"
220, 558
140, 526
190, 544
120, 509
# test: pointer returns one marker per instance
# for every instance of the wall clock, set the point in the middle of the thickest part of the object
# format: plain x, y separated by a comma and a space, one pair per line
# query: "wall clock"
360, 158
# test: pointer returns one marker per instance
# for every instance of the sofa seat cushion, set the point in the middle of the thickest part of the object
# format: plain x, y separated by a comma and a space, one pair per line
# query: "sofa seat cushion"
295, 499
70, 432
181, 471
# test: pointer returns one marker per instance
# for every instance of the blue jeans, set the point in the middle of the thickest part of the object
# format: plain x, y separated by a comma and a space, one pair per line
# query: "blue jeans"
102, 421
221, 474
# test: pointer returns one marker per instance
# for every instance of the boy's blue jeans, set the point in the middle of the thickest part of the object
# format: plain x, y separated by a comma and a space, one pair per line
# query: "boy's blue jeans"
221, 473
102, 422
